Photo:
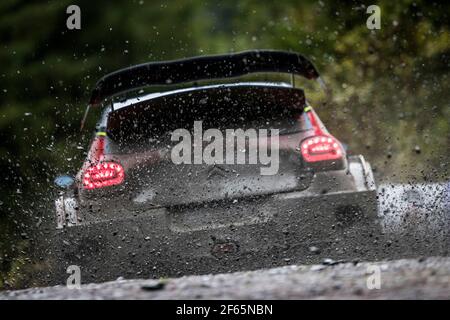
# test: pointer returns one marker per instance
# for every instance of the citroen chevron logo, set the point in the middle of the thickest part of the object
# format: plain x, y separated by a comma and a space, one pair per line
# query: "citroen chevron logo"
215, 171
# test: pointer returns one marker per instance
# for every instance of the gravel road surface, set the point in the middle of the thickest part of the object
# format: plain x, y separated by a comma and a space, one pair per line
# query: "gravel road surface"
426, 278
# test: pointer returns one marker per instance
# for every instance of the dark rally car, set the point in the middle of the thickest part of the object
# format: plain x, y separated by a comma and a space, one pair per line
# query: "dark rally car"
131, 210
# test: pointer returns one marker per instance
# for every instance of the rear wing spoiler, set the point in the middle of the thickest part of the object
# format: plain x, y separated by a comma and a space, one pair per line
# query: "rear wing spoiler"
202, 68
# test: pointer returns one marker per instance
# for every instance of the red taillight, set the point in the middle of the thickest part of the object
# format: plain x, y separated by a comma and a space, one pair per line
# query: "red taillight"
104, 174
321, 148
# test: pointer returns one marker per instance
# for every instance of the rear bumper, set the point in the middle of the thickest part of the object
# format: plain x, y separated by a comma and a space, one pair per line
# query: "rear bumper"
293, 227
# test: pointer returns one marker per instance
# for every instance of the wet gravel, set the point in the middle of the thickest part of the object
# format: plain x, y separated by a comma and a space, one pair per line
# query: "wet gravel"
425, 278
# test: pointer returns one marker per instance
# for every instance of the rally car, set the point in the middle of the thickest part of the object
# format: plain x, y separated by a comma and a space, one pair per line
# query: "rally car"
131, 209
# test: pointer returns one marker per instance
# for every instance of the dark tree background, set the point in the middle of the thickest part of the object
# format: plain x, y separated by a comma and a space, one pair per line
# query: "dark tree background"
390, 87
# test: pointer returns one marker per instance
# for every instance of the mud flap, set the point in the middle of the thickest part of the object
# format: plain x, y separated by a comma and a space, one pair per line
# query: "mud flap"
66, 212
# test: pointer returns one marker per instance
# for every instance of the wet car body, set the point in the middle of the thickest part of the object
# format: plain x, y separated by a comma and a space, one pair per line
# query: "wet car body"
166, 219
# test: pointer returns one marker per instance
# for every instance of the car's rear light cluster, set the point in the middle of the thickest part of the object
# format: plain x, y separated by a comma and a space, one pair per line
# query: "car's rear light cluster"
321, 148
104, 174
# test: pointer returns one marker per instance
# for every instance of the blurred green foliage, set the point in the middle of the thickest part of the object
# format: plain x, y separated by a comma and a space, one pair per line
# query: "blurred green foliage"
390, 87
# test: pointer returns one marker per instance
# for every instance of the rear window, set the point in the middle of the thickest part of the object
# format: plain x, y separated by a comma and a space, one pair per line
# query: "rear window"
152, 122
